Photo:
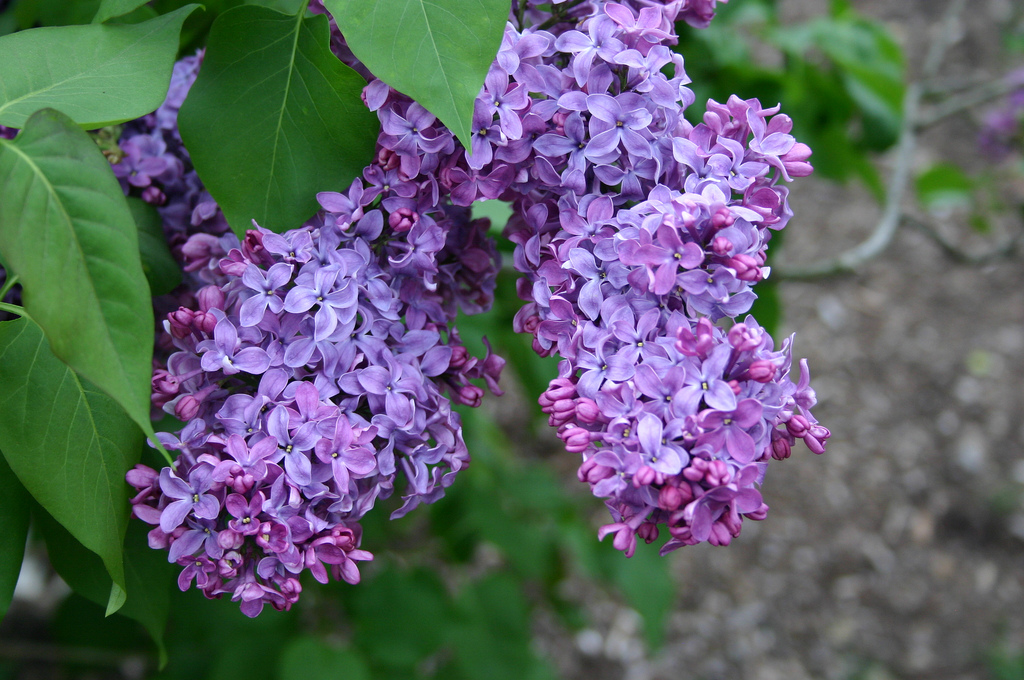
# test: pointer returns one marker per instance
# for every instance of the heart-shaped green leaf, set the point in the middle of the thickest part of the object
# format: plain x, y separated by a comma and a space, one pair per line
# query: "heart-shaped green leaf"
69, 443
435, 51
66, 231
147, 573
96, 74
274, 118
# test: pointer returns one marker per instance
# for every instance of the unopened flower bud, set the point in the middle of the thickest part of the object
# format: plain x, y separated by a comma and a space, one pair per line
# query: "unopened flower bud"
153, 196
644, 476
587, 411
746, 268
180, 322
230, 539
210, 297
781, 450
797, 426
204, 322
648, 531
721, 246
186, 407
403, 219
669, 498
576, 439
761, 370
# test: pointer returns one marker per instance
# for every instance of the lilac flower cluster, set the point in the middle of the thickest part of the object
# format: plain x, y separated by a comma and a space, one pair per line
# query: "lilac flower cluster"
311, 365
311, 368
637, 231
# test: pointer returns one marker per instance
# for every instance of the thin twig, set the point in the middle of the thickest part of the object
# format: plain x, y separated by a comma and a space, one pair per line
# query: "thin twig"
1008, 248
852, 259
24, 650
968, 100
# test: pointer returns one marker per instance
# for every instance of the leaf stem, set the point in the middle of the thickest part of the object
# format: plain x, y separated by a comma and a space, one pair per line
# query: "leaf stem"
13, 309
10, 283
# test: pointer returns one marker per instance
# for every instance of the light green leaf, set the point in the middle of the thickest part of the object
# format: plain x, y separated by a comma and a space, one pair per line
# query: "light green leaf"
66, 231
310, 658
109, 9
149, 576
436, 51
159, 266
68, 443
944, 186
14, 519
96, 74
274, 118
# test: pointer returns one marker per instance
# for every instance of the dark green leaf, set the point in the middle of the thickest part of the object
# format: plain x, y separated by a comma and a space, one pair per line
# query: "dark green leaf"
54, 12
310, 658
944, 186
418, 617
109, 9
767, 307
66, 231
264, 151
437, 51
646, 582
149, 576
68, 443
161, 270
494, 640
14, 519
95, 74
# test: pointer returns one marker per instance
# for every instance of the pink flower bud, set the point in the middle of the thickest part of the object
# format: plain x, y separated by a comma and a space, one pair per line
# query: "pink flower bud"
186, 408
644, 476
180, 322
587, 411
761, 370
669, 498
230, 539
576, 439
153, 196
746, 268
798, 426
204, 322
648, 531
721, 246
403, 219
781, 450
210, 297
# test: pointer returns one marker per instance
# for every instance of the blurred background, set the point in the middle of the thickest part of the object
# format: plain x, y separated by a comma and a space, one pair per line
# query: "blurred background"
899, 554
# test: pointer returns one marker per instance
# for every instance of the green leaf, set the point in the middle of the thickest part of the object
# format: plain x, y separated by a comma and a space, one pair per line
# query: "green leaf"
436, 51
767, 308
14, 519
161, 270
149, 576
943, 186
96, 74
274, 118
109, 9
31, 13
66, 231
494, 638
68, 443
310, 658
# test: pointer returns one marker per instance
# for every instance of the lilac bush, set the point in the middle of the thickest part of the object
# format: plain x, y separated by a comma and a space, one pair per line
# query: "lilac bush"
317, 367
